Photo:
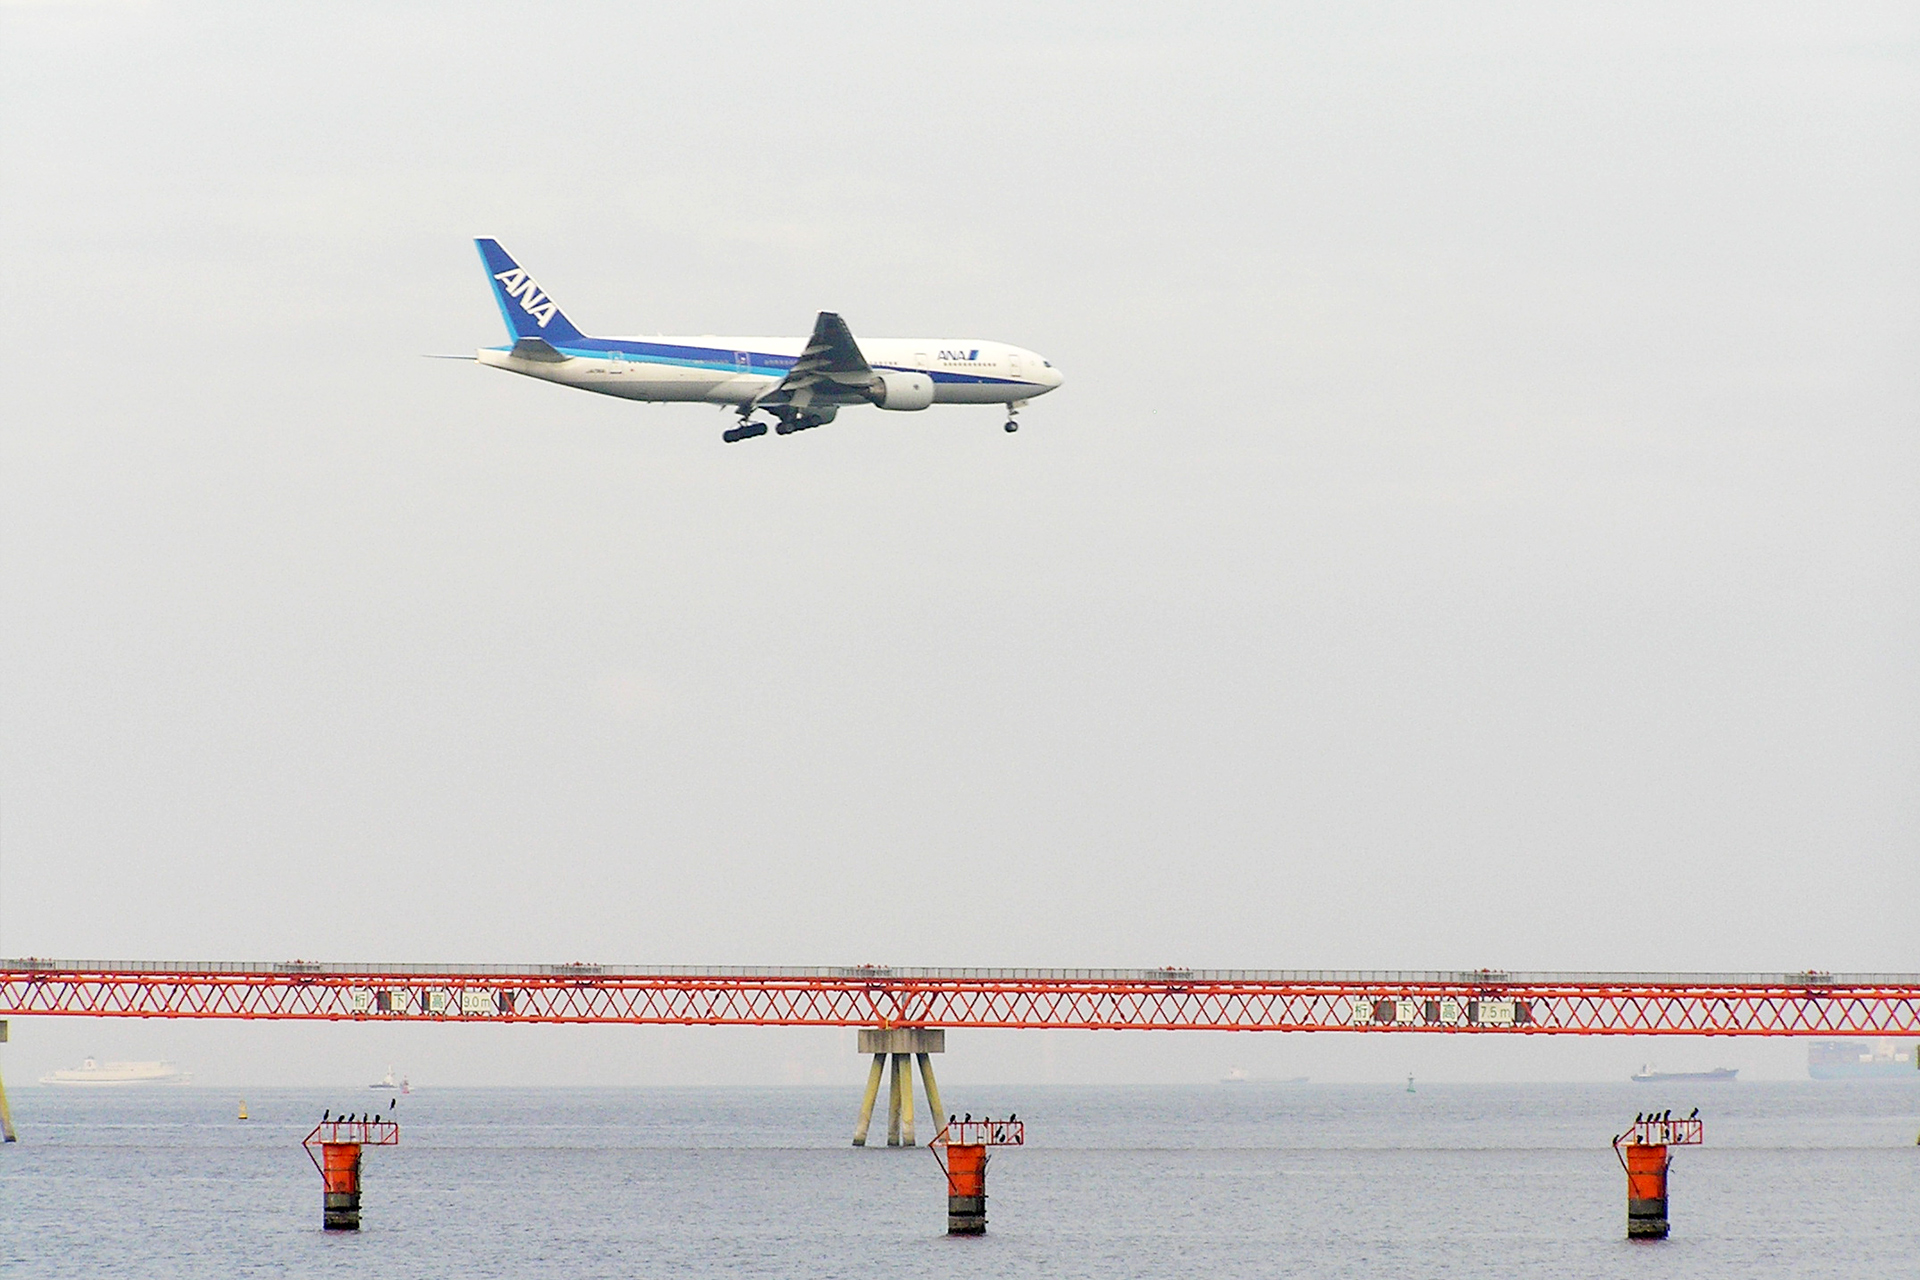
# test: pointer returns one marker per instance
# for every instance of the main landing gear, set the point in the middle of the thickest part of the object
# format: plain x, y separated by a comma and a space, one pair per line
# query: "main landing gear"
747, 430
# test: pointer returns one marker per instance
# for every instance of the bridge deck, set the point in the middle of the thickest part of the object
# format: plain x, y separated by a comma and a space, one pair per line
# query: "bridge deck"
1481, 1001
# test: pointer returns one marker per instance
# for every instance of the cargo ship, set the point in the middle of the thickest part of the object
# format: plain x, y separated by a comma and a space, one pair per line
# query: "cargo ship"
1861, 1060
94, 1072
1719, 1075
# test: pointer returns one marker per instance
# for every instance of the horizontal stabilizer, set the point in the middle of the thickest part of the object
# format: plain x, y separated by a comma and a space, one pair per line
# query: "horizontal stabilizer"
536, 349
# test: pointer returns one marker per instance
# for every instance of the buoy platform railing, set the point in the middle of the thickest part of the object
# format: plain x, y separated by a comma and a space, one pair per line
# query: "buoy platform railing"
1643, 1152
960, 1148
334, 1146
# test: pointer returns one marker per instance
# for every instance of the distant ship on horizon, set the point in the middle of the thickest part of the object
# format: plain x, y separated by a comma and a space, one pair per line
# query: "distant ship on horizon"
1238, 1075
389, 1083
1860, 1060
92, 1071
1719, 1075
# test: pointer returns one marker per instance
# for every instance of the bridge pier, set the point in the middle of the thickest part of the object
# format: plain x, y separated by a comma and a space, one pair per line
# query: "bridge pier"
6, 1113
900, 1046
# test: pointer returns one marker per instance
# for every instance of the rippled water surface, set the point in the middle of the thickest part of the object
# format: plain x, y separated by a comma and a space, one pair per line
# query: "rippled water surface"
1221, 1180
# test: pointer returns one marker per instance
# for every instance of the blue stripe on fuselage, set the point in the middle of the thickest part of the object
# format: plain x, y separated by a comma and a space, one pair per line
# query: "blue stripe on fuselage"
953, 379
759, 363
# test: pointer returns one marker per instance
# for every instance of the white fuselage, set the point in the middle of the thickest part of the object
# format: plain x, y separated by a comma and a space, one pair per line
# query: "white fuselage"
737, 371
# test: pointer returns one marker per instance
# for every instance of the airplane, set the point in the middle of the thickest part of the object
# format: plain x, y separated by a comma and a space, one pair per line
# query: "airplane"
800, 383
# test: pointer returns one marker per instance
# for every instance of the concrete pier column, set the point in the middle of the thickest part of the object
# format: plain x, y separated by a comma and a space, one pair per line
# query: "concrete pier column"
893, 1103
866, 1102
6, 1112
904, 1065
933, 1090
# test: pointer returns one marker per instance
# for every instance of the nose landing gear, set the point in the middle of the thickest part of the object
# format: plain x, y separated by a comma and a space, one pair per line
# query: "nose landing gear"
1012, 425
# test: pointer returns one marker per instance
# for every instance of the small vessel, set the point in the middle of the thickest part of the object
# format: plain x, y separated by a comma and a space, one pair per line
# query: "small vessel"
92, 1071
1719, 1075
1239, 1076
1861, 1060
388, 1083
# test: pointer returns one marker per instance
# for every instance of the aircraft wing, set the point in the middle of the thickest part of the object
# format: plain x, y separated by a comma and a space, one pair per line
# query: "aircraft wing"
829, 373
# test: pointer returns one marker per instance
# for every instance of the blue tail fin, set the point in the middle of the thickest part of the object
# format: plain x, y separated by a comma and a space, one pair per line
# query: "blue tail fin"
528, 311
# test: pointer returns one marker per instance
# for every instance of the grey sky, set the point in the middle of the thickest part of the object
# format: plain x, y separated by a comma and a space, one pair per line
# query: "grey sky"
1477, 529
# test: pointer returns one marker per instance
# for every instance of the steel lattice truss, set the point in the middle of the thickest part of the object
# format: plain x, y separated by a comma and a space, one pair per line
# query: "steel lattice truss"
1483, 1002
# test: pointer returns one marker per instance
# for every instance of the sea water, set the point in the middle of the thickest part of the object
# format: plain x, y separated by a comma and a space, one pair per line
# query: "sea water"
1242, 1179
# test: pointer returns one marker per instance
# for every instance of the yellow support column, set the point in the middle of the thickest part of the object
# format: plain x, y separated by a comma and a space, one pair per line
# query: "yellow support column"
6, 1112
866, 1103
906, 1098
933, 1091
893, 1103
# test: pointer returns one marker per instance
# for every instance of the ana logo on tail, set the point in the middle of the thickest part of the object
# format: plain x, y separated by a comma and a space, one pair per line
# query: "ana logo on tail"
518, 284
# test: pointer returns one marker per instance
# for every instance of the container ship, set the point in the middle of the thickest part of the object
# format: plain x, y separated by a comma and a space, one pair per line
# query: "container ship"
93, 1072
1861, 1060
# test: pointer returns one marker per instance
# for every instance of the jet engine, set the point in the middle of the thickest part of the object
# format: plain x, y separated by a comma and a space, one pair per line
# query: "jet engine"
904, 391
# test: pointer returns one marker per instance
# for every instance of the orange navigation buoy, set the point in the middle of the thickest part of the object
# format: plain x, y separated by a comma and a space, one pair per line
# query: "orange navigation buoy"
966, 1190
961, 1148
1642, 1152
339, 1143
1647, 1192
340, 1172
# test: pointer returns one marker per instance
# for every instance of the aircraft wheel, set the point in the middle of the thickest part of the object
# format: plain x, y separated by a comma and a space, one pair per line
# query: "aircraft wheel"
1012, 425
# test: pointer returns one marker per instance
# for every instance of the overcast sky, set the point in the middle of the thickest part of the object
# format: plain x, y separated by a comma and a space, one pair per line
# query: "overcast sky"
1478, 527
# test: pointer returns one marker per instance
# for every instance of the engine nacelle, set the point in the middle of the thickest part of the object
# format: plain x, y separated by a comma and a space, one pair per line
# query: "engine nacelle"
905, 391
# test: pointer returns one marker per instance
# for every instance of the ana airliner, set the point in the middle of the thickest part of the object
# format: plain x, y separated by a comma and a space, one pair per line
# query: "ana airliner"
798, 383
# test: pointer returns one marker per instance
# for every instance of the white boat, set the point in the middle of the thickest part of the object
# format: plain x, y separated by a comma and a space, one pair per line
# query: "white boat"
396, 1086
95, 1072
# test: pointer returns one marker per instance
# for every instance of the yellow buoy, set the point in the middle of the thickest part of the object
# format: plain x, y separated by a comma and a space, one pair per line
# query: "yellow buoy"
243, 1108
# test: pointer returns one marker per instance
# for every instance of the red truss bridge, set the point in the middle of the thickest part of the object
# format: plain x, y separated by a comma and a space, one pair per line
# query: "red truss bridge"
1472, 1002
